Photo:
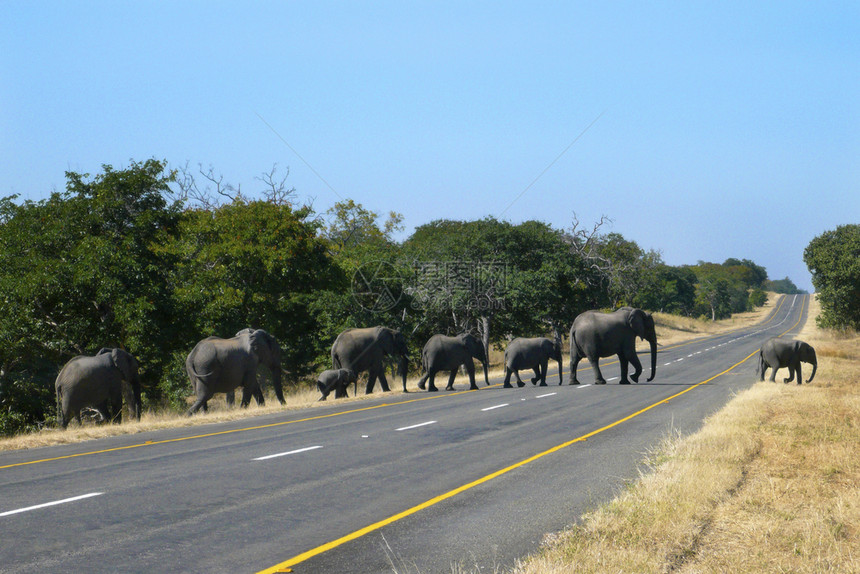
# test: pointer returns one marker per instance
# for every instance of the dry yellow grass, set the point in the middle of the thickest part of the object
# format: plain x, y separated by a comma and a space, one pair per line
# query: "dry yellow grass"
768, 485
670, 330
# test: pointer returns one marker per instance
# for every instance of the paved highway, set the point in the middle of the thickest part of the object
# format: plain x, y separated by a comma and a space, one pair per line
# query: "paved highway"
399, 483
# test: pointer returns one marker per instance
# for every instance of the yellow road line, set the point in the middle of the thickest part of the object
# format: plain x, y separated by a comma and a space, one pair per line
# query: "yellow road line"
283, 566
245, 429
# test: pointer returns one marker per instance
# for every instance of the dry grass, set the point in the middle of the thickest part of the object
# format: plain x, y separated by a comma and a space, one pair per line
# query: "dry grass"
768, 485
671, 329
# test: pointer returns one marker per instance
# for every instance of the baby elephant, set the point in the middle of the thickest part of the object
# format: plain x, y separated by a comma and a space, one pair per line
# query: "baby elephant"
777, 353
337, 379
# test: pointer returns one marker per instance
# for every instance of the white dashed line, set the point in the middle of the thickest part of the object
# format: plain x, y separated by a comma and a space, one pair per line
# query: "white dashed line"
47, 504
495, 407
416, 426
546, 395
267, 457
583, 386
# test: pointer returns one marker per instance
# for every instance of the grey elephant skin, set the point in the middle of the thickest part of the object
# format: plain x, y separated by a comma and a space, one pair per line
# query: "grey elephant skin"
337, 380
217, 365
364, 350
595, 335
779, 353
444, 353
97, 382
534, 353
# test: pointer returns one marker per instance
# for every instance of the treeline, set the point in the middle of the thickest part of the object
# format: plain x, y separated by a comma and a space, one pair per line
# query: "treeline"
146, 260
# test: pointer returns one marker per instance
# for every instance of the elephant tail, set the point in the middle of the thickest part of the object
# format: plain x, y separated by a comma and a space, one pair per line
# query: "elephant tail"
59, 402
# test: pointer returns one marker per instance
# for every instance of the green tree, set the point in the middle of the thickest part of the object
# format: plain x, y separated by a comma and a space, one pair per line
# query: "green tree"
253, 264
82, 270
833, 258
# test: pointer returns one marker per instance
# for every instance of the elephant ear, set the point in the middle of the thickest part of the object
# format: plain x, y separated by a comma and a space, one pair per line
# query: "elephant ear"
636, 321
123, 361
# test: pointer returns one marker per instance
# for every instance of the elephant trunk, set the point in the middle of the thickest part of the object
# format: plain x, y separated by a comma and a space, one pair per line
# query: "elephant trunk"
138, 404
560, 370
486, 373
653, 358
402, 366
814, 368
276, 382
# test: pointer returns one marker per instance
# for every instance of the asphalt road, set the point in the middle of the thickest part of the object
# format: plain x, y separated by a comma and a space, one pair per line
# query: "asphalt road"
400, 483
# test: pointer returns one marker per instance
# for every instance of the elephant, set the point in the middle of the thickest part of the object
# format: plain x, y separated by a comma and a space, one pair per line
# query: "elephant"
533, 354
595, 335
777, 353
217, 365
338, 379
444, 353
364, 349
97, 382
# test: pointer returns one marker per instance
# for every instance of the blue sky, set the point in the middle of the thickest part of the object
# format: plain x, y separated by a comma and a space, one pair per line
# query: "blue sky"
723, 129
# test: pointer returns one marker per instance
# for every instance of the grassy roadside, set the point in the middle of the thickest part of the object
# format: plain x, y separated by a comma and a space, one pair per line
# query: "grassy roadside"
671, 329
769, 484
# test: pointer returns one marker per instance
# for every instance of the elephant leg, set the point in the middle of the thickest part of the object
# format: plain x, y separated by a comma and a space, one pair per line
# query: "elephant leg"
422, 382
116, 405
470, 370
342, 391
231, 399
536, 378
772, 378
637, 366
574, 365
431, 380
383, 382
508, 384
790, 374
622, 360
451, 377
104, 411
520, 382
542, 374
799, 374
247, 393
258, 396
203, 396
371, 382
595, 367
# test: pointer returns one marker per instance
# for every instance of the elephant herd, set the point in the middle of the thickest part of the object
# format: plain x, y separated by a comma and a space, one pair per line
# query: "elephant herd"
217, 365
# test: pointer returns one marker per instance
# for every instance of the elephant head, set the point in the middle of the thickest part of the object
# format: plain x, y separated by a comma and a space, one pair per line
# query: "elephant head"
806, 353
642, 324
393, 344
476, 349
268, 352
127, 365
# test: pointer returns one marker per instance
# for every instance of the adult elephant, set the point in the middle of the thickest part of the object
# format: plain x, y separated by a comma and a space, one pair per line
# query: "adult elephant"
444, 353
361, 350
535, 353
217, 365
779, 353
595, 335
97, 382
